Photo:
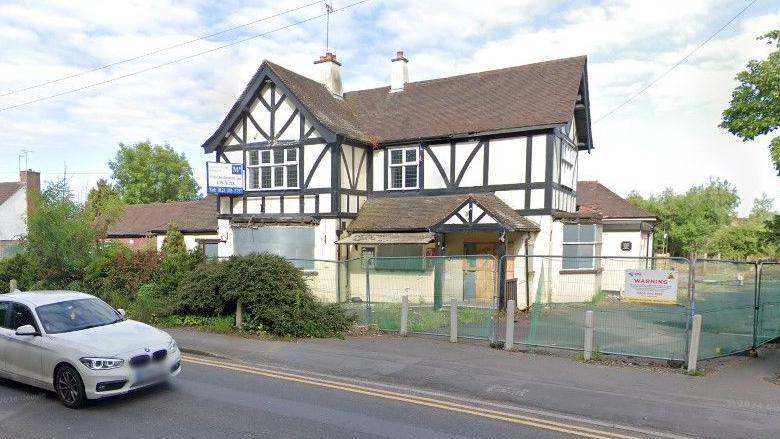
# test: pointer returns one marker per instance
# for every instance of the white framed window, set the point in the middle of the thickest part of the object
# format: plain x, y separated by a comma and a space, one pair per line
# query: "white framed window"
403, 168
581, 246
275, 168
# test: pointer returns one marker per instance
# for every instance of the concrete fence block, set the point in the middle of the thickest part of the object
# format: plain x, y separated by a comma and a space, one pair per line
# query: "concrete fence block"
454, 321
404, 315
239, 314
693, 350
588, 345
12, 286
510, 325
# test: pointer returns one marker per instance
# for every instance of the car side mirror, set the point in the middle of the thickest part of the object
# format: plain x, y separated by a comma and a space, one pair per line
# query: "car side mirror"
122, 312
26, 330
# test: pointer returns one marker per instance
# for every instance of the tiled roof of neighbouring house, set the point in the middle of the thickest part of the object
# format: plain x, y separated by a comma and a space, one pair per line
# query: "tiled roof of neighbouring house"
398, 214
531, 95
594, 197
7, 190
189, 217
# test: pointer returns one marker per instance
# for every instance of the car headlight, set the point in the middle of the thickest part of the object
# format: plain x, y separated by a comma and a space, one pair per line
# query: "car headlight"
172, 346
102, 363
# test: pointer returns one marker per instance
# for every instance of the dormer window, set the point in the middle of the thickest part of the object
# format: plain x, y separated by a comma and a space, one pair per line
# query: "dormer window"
272, 169
403, 168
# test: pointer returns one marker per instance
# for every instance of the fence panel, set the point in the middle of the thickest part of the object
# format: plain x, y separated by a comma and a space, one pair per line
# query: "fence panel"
725, 294
768, 317
430, 283
560, 295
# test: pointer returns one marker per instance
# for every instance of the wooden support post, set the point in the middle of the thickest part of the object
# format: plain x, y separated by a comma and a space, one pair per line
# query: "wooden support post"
693, 350
454, 320
404, 315
510, 325
587, 354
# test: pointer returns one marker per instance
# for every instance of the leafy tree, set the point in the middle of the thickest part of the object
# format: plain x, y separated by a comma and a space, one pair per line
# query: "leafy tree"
692, 218
146, 173
104, 207
60, 239
755, 103
173, 242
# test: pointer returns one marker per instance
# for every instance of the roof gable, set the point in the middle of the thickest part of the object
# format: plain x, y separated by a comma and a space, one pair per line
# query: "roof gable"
7, 190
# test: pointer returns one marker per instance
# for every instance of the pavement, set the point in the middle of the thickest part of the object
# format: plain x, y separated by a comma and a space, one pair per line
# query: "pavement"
734, 399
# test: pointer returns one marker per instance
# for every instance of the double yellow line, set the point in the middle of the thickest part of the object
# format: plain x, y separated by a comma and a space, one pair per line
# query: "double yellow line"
419, 400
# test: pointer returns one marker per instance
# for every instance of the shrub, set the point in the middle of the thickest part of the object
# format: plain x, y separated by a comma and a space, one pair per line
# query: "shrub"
150, 303
273, 291
20, 267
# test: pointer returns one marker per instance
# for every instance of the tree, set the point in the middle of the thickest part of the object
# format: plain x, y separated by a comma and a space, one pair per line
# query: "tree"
755, 103
692, 218
173, 243
60, 238
104, 207
146, 173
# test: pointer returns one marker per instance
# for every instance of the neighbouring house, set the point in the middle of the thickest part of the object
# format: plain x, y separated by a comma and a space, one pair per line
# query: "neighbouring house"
17, 200
474, 164
144, 225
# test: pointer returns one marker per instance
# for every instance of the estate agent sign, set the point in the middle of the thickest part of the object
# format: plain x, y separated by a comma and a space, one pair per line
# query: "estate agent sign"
224, 178
656, 286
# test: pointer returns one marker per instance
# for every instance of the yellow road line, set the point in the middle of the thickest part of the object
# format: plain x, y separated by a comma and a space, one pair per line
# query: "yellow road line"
419, 400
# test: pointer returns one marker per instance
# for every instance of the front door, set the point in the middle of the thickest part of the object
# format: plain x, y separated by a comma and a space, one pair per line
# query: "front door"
478, 272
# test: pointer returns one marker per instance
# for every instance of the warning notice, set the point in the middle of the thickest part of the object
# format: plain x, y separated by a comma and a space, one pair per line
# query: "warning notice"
656, 286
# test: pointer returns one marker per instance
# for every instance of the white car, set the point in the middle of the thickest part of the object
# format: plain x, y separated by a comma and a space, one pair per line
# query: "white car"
80, 347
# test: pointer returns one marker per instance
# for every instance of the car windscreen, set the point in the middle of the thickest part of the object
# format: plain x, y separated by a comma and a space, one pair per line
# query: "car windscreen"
75, 315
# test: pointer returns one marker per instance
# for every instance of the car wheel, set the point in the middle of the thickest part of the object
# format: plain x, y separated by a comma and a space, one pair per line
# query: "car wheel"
69, 387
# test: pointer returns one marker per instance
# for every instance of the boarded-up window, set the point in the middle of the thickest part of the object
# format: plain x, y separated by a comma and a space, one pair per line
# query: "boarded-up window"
292, 242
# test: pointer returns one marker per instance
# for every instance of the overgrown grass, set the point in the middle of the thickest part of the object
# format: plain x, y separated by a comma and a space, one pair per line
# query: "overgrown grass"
427, 319
219, 324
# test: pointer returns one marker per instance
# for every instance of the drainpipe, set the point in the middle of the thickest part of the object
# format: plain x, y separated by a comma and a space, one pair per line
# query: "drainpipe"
527, 280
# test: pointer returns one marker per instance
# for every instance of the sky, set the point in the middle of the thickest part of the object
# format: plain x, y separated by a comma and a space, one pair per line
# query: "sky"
668, 137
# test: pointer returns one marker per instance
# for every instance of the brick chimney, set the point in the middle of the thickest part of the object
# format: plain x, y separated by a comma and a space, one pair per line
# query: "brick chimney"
32, 182
330, 74
399, 74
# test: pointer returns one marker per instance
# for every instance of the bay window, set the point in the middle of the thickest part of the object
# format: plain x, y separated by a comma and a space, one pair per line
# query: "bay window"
275, 168
403, 168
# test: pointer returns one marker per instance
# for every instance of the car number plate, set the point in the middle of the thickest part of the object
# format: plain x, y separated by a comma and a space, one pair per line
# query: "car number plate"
149, 374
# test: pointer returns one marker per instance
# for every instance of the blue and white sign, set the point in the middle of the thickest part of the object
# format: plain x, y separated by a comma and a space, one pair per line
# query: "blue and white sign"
224, 178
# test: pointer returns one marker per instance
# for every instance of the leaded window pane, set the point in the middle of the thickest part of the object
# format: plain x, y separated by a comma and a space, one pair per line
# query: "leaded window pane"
278, 156
266, 177
292, 154
396, 177
253, 158
278, 176
254, 181
396, 157
411, 176
411, 155
266, 156
292, 175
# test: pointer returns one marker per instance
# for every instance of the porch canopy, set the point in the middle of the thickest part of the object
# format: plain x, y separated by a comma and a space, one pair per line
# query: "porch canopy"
388, 238
404, 215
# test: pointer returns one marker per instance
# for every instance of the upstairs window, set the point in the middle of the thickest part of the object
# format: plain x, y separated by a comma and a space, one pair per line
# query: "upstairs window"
272, 169
581, 246
403, 168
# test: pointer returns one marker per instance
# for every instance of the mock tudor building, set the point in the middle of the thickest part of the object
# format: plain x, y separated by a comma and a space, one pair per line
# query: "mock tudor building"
471, 164
17, 200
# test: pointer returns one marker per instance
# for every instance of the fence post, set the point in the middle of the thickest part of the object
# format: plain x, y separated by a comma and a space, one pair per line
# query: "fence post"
510, 325
693, 349
368, 292
12, 286
588, 345
454, 320
756, 309
239, 314
404, 315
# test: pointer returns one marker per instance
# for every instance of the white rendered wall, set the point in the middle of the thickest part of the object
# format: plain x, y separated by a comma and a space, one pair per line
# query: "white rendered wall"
13, 216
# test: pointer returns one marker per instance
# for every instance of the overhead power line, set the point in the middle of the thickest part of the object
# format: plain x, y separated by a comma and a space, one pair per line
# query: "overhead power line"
178, 60
677, 64
154, 52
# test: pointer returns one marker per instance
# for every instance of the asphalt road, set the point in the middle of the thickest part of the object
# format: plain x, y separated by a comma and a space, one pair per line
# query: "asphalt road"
208, 401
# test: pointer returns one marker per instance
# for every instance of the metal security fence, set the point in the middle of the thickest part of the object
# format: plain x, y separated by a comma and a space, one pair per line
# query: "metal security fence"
560, 295
768, 313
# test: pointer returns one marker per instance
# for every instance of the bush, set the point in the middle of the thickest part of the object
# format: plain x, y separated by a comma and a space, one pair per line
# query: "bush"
150, 304
20, 267
273, 291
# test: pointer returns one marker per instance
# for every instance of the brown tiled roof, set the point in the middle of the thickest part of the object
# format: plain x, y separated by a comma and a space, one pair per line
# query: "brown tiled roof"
594, 197
189, 216
419, 214
531, 95
7, 190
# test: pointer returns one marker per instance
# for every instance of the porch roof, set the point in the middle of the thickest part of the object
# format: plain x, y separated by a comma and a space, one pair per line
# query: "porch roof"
428, 213
388, 238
